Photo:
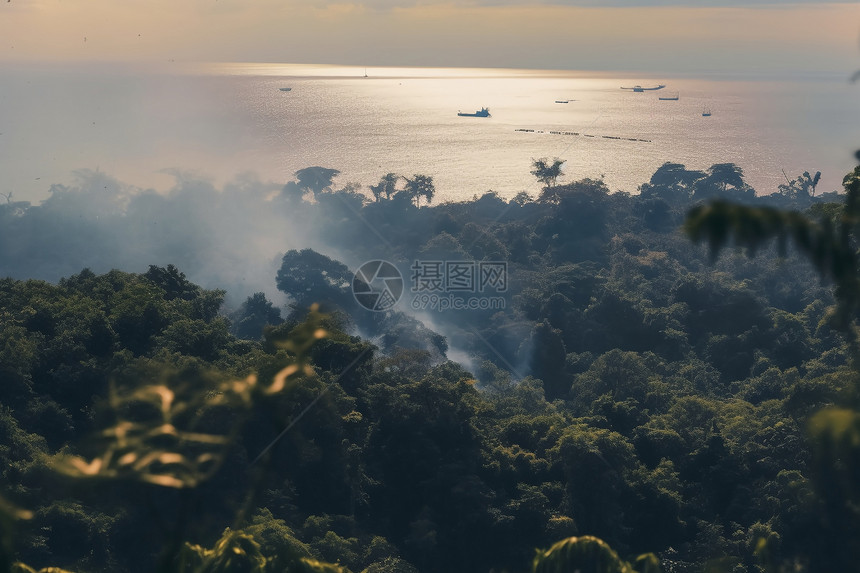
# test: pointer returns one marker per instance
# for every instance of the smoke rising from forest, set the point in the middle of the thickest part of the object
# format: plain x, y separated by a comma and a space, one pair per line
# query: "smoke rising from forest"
230, 237
301, 243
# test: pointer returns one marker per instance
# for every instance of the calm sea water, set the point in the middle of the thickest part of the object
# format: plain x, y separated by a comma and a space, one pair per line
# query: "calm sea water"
218, 121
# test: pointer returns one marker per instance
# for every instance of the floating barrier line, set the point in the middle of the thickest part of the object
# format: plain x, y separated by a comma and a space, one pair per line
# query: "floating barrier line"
576, 133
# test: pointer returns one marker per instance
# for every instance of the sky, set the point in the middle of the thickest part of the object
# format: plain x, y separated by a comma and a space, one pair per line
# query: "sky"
758, 36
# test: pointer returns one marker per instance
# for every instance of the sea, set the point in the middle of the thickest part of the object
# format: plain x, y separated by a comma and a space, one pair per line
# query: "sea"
148, 125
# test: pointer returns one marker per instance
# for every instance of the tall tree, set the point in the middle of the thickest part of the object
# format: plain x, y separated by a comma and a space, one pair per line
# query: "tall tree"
800, 189
545, 172
316, 179
254, 314
387, 186
672, 182
723, 181
420, 186
309, 277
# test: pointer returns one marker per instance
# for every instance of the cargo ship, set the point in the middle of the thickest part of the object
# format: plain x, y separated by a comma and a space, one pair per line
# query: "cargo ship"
484, 112
640, 89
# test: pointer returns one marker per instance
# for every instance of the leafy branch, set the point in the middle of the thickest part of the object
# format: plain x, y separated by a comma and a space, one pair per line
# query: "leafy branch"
156, 437
830, 243
166, 433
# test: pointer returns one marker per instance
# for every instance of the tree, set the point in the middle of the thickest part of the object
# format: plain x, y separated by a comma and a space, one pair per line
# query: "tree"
547, 360
173, 282
315, 179
675, 175
546, 173
309, 277
801, 189
723, 181
254, 314
672, 182
619, 374
387, 186
521, 198
420, 186
810, 183
583, 212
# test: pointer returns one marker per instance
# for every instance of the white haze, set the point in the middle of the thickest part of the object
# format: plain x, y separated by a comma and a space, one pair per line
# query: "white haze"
230, 237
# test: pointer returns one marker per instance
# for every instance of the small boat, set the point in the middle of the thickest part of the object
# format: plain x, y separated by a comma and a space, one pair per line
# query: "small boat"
285, 89
484, 112
669, 97
706, 112
562, 101
640, 89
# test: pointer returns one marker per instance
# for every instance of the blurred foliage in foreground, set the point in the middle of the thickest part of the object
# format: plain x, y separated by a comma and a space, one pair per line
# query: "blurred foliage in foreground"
830, 240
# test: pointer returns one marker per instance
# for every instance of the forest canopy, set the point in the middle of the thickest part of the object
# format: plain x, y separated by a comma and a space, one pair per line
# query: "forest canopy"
629, 390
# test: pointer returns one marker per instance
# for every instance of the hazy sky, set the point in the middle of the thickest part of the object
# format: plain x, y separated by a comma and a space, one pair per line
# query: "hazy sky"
648, 35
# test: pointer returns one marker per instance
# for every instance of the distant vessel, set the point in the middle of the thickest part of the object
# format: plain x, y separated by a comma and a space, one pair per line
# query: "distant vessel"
706, 112
285, 89
669, 98
640, 89
485, 112
562, 101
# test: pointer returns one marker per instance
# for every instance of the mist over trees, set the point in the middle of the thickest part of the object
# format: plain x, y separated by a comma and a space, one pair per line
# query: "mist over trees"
629, 387
234, 237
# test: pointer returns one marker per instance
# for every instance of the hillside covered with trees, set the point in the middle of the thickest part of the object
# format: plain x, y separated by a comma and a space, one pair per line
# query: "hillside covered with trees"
629, 385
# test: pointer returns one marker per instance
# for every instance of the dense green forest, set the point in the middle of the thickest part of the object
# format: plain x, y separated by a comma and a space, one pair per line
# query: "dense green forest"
633, 386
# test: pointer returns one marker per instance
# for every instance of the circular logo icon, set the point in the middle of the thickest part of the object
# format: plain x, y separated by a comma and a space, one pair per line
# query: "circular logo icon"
377, 285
